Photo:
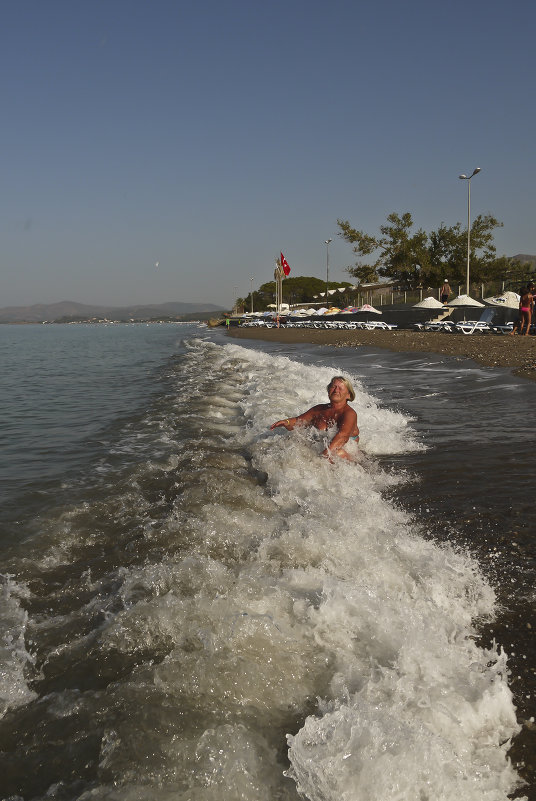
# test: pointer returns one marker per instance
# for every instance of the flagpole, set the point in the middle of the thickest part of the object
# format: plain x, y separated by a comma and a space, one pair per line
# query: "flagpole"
282, 270
276, 279
326, 243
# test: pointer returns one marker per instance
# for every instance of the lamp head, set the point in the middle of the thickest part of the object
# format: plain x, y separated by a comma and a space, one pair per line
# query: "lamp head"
476, 169
327, 241
463, 175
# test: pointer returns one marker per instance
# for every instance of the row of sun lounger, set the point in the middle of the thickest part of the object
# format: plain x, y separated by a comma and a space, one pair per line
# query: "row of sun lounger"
324, 324
448, 327
467, 327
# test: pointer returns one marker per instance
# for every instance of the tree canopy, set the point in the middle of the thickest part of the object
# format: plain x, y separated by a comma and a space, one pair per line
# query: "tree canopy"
300, 289
418, 259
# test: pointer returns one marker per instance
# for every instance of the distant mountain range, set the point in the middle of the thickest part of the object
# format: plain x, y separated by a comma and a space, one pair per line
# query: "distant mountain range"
41, 312
523, 258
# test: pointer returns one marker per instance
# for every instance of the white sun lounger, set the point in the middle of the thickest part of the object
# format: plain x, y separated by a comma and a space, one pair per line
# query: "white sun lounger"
472, 327
446, 326
503, 329
378, 324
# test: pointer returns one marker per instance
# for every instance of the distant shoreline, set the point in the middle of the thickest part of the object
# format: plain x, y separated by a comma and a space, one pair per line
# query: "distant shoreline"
101, 322
490, 350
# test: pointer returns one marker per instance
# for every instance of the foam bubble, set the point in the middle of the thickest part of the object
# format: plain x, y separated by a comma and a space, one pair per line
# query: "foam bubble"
14, 656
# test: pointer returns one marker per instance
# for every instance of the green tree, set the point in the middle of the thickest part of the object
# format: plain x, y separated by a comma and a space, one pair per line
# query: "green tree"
448, 252
298, 290
514, 272
421, 259
365, 273
400, 255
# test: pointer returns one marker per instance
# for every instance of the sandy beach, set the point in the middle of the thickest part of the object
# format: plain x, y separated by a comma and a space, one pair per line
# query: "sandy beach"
516, 353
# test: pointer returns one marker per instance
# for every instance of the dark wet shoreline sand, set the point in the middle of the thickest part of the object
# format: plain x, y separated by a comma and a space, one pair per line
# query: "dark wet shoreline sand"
491, 350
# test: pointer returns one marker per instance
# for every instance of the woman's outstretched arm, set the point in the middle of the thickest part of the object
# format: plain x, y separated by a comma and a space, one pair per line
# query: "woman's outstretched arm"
305, 419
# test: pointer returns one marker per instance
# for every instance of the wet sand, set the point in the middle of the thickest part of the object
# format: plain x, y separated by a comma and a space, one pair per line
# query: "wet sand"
491, 350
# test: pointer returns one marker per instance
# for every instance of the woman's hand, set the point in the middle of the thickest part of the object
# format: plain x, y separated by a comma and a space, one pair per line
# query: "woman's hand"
287, 423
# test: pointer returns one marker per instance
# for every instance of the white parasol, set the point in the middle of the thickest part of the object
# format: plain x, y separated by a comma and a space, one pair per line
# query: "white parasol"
428, 303
466, 300
298, 313
508, 300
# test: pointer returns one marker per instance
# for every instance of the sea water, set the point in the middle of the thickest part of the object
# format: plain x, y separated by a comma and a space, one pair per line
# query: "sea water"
196, 607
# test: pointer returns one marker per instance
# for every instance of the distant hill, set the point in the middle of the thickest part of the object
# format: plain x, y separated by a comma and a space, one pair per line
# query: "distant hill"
41, 312
523, 257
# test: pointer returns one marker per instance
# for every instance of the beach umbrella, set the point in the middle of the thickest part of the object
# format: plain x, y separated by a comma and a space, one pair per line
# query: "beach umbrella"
508, 300
298, 313
428, 303
366, 307
465, 300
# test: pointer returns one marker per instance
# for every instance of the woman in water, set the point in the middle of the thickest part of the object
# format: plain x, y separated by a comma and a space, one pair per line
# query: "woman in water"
325, 416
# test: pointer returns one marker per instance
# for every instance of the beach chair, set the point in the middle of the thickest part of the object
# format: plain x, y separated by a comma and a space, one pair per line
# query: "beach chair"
502, 329
372, 324
472, 327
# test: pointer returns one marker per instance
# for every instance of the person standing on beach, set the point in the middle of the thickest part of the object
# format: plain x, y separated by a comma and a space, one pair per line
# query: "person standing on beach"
530, 287
526, 302
446, 291
325, 416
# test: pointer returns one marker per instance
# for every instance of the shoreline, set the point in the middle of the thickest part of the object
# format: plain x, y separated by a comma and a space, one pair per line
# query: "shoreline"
517, 354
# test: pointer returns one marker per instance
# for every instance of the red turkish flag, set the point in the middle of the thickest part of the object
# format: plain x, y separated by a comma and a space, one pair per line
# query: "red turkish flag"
285, 265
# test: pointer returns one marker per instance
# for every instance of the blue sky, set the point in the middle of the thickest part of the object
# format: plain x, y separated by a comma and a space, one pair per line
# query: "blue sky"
209, 136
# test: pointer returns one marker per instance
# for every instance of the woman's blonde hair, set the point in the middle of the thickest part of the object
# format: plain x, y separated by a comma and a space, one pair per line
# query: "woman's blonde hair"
346, 383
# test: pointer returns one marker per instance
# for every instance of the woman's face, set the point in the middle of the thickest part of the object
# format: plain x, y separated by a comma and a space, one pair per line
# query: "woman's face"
338, 391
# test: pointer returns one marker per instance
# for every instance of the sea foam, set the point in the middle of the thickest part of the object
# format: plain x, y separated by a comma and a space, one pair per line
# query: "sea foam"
265, 593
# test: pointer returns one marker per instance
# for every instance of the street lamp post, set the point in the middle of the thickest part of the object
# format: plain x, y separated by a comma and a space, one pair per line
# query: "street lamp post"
251, 293
467, 178
326, 243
